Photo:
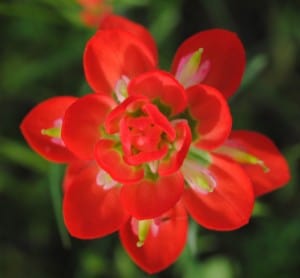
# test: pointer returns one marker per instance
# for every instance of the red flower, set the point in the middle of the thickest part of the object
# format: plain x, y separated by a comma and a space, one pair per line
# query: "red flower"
151, 145
94, 11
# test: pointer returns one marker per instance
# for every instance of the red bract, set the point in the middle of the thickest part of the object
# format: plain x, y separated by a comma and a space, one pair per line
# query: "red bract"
42, 129
260, 158
152, 145
214, 57
156, 243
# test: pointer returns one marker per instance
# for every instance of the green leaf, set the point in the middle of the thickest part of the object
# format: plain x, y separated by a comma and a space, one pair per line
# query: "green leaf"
55, 185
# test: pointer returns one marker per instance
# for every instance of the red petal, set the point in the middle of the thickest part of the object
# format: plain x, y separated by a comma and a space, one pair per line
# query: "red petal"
110, 55
117, 22
225, 53
182, 144
160, 249
150, 198
72, 171
263, 148
160, 120
152, 150
82, 122
160, 86
229, 205
129, 105
111, 160
90, 210
212, 115
44, 116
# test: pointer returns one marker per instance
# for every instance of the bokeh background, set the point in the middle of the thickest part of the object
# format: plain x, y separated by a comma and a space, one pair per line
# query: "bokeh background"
41, 46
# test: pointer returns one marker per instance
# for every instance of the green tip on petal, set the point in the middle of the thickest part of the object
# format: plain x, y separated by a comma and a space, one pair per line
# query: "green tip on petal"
190, 67
143, 230
243, 157
54, 132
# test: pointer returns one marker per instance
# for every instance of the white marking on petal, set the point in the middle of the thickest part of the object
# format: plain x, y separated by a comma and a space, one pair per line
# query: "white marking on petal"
105, 180
121, 88
198, 178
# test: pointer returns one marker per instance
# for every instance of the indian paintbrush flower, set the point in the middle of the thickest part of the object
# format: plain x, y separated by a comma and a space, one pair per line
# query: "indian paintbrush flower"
149, 146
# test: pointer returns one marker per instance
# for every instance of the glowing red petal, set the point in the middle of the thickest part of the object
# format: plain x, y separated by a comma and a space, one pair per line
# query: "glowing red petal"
229, 205
90, 210
162, 249
225, 53
72, 171
150, 198
117, 22
110, 55
82, 124
162, 87
110, 159
43, 116
160, 120
212, 115
182, 144
263, 148
129, 105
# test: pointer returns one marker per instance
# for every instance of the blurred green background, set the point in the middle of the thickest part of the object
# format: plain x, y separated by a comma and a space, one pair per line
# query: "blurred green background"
41, 48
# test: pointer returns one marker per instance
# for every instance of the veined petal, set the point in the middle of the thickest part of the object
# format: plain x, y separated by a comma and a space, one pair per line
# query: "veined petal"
111, 160
181, 146
162, 245
113, 21
48, 115
223, 51
150, 198
261, 159
111, 54
221, 198
90, 209
211, 116
162, 89
82, 124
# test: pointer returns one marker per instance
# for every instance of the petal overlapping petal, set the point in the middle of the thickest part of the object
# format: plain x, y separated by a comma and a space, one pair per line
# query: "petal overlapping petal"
211, 116
111, 54
228, 203
150, 198
161, 247
176, 157
223, 52
162, 89
111, 160
267, 168
113, 21
82, 124
90, 209
48, 115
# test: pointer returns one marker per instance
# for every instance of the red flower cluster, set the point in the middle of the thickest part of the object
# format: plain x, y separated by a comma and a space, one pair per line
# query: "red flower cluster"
150, 146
